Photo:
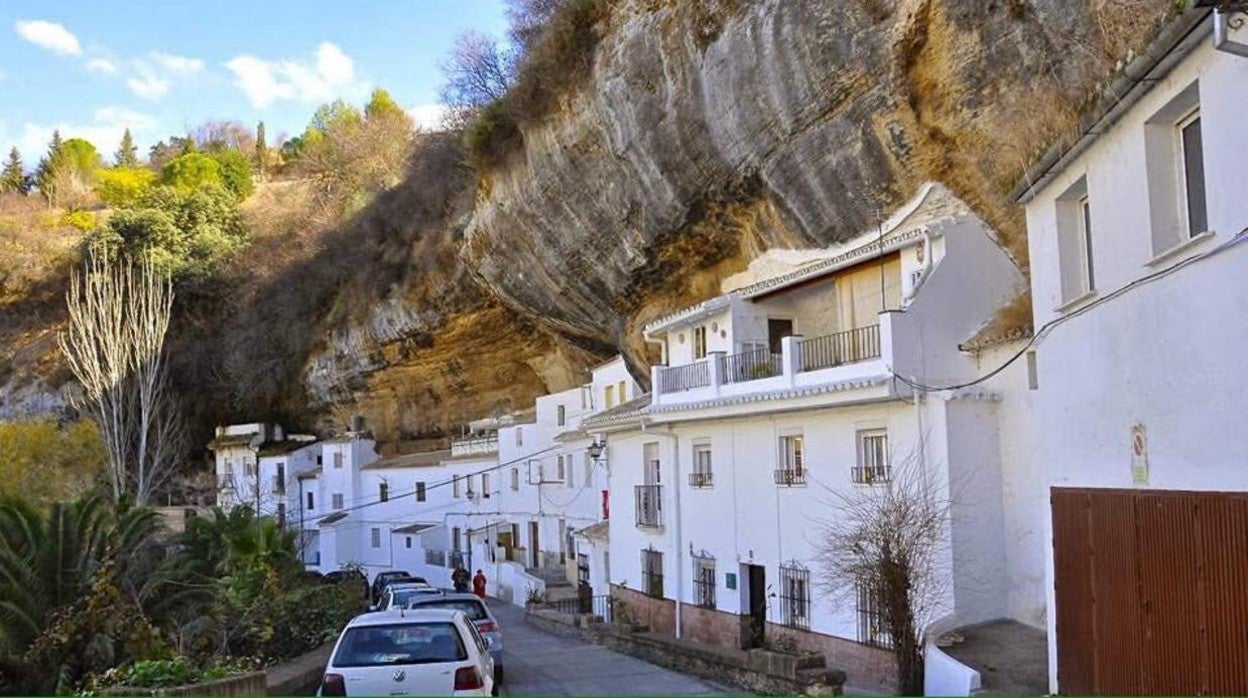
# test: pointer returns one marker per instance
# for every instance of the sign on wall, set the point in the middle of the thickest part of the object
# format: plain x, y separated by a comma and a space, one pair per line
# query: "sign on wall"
1139, 456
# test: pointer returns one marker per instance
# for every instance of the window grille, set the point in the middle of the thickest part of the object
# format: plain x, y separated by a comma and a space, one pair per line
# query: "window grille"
872, 625
652, 572
792, 469
795, 595
376, 535
704, 580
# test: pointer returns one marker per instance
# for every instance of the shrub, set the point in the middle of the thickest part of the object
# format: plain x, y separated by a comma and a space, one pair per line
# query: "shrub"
492, 135
191, 171
82, 220
235, 172
159, 673
123, 186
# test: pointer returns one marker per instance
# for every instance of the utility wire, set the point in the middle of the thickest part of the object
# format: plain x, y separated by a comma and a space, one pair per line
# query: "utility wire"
1048, 326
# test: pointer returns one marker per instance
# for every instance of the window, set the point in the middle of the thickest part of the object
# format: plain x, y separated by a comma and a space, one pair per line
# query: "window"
1074, 242
455, 539
872, 628
795, 595
1033, 375
560, 415
383, 491
376, 535
485, 485
1193, 175
701, 475
652, 573
420, 491
873, 464
609, 396
455, 486
249, 467
338, 459
407, 542
337, 500
279, 482
320, 460
792, 469
519, 436
311, 502
699, 342
620, 392
281, 514
560, 471
653, 468
704, 580
589, 471
515, 479
569, 480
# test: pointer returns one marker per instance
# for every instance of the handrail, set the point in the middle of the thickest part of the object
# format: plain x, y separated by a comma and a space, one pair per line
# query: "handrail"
674, 379
850, 346
750, 365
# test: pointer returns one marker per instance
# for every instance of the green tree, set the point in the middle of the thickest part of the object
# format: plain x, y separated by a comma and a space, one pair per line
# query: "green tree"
127, 154
123, 186
13, 176
235, 172
262, 150
68, 172
44, 462
191, 171
381, 105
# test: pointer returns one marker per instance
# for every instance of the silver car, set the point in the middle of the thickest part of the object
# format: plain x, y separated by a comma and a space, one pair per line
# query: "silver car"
398, 594
478, 612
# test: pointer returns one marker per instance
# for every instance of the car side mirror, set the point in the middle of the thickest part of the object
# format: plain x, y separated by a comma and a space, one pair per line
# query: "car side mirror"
372, 609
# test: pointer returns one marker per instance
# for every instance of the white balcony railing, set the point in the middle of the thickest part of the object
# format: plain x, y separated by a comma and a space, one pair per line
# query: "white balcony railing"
475, 445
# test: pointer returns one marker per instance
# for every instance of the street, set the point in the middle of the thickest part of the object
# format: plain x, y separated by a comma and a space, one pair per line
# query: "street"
539, 663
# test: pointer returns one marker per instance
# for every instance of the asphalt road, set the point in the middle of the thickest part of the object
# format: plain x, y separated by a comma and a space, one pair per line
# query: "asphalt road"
539, 663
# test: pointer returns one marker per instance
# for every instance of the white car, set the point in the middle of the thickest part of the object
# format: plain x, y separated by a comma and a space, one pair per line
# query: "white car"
410, 653
399, 594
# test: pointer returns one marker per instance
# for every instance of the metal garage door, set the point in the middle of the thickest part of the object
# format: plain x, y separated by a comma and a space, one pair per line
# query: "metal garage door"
1152, 591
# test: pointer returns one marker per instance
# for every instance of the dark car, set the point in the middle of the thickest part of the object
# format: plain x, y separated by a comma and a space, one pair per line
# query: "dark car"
383, 579
355, 576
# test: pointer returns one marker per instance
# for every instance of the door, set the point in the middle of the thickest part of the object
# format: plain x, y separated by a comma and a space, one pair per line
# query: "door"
754, 622
534, 553
777, 329
507, 543
584, 591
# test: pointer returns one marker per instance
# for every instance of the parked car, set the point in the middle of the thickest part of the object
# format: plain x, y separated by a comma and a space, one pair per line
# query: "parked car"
399, 594
403, 653
478, 612
384, 578
354, 576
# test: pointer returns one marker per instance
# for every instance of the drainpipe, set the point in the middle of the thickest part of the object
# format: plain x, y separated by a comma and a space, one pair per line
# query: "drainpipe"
680, 564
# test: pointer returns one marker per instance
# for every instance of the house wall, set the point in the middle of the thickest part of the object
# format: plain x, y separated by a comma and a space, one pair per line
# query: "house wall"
680, 339
1184, 333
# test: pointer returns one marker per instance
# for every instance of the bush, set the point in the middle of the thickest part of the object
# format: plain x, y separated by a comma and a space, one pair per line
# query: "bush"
235, 172
82, 220
123, 186
492, 135
191, 171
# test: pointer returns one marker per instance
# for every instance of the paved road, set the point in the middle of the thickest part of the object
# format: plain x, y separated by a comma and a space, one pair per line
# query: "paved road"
539, 663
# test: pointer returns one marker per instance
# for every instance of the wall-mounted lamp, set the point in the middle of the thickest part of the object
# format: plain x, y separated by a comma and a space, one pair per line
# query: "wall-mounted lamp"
596, 449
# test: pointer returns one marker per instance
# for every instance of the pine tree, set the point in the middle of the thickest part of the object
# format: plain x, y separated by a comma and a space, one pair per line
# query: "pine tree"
12, 178
45, 175
127, 154
262, 150
55, 145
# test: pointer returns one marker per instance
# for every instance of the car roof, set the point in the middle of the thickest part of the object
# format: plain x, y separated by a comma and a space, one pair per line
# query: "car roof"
431, 615
400, 586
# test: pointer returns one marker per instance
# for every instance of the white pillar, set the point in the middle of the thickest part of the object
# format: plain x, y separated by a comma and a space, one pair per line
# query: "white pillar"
656, 383
715, 366
791, 357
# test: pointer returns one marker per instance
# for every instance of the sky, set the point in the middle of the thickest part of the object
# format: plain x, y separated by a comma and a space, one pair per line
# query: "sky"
162, 67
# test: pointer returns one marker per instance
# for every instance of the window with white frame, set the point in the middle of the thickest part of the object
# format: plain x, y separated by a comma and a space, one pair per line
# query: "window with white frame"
1075, 233
650, 461
1175, 168
1192, 174
589, 471
795, 595
249, 467
560, 415
608, 394
621, 392
337, 500
704, 580
376, 536
560, 468
485, 485
699, 342
455, 486
792, 470
701, 474
519, 436
873, 462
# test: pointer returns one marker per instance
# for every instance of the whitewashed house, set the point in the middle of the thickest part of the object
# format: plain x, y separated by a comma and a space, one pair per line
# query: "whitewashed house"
328, 494
782, 389
1127, 516
257, 464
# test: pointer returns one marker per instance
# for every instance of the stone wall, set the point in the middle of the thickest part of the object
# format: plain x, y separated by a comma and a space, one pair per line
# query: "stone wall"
659, 615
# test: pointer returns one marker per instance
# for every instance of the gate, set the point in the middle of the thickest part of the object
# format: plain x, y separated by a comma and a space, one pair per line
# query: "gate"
1152, 591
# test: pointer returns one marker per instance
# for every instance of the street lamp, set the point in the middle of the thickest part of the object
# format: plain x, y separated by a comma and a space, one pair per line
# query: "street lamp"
596, 450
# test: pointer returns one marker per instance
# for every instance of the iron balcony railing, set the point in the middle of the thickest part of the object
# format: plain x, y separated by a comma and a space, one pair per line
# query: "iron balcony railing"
750, 365
674, 379
582, 605
841, 348
700, 479
791, 476
649, 506
871, 474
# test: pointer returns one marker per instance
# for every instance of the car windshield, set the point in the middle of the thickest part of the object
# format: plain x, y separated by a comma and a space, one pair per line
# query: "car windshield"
413, 643
475, 610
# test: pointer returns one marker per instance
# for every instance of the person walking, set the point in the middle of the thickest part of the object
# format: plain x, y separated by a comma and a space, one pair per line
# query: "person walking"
478, 584
459, 578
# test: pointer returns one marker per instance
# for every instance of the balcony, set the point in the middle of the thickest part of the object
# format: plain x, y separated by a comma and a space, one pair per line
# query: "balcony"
648, 504
697, 479
750, 366
849, 347
475, 445
871, 474
678, 378
790, 477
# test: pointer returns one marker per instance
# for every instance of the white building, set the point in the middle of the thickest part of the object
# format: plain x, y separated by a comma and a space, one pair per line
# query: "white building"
1126, 535
782, 390
257, 464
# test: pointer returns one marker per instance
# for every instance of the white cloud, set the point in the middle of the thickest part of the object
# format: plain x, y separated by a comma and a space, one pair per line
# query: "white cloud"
176, 64
49, 35
148, 86
428, 117
152, 76
330, 75
104, 131
102, 66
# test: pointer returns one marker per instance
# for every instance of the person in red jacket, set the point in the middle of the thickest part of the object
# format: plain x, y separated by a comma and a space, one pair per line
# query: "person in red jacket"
478, 584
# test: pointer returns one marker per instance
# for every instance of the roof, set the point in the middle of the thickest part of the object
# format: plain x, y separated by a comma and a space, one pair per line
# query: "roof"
931, 205
424, 459
1173, 43
332, 518
310, 473
1011, 322
279, 448
431, 615
598, 531
415, 528
232, 441
619, 413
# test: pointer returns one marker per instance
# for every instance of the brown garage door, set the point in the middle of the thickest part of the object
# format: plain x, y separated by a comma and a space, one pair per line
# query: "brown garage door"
1152, 591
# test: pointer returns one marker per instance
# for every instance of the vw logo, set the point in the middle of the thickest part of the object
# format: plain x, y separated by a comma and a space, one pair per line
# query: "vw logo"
399, 675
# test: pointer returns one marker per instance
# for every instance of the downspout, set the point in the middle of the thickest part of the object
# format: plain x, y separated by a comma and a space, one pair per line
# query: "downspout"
680, 565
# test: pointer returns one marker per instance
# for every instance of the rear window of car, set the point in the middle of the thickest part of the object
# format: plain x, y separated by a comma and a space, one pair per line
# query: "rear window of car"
475, 610
412, 643
403, 596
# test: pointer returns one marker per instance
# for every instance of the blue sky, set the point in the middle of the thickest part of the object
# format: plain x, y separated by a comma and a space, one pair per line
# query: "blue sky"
160, 67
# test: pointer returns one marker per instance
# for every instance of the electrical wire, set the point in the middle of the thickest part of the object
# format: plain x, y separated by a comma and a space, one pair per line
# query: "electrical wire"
1039, 335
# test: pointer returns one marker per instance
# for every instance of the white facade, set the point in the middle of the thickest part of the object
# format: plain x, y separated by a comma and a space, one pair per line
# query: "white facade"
1154, 343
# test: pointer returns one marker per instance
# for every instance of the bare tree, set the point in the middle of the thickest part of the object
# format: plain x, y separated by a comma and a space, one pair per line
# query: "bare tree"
885, 546
118, 318
527, 19
478, 72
